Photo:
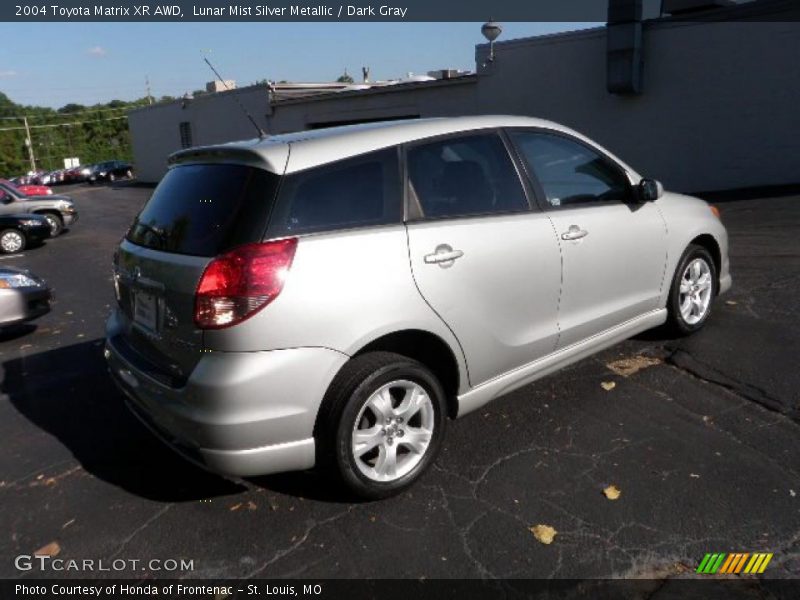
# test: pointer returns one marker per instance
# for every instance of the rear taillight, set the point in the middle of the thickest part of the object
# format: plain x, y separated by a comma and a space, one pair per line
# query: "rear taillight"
239, 283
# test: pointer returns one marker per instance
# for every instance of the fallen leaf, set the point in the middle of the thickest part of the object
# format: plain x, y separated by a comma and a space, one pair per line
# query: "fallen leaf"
707, 420
608, 385
543, 533
731, 302
612, 492
236, 506
68, 523
372, 519
51, 549
792, 493
626, 367
694, 475
251, 505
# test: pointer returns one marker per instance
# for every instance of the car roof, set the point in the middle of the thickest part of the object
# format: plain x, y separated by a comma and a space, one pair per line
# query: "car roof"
320, 146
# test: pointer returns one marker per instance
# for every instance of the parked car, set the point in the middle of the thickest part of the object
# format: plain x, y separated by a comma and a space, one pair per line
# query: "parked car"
110, 171
331, 298
59, 210
29, 190
21, 231
23, 296
77, 174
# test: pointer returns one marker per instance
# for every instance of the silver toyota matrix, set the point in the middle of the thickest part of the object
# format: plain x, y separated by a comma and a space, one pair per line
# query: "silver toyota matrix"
331, 298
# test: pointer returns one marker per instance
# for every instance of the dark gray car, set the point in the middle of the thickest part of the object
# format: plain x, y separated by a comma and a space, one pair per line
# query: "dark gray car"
59, 210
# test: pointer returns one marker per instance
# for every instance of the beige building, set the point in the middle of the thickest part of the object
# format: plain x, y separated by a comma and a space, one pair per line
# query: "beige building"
717, 109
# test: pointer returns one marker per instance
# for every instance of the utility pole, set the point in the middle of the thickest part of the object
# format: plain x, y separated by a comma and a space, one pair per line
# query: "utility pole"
29, 144
147, 84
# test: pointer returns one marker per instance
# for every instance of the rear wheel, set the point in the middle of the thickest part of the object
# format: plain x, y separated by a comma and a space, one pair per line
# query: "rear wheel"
694, 287
55, 223
382, 423
11, 241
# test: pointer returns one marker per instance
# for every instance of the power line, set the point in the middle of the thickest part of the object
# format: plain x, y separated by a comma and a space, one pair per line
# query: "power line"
69, 114
73, 123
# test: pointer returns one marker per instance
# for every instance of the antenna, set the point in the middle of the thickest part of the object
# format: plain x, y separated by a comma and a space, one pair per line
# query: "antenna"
261, 134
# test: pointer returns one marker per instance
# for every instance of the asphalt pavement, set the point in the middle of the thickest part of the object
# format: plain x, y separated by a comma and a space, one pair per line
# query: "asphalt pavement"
700, 436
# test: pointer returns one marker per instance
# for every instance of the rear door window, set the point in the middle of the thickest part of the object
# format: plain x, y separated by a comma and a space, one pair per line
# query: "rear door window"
203, 210
467, 175
355, 192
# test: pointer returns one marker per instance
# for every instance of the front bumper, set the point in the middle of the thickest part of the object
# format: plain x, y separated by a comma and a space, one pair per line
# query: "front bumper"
36, 234
239, 413
18, 305
70, 218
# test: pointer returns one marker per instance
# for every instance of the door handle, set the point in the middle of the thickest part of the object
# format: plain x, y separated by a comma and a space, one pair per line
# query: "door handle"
444, 255
574, 233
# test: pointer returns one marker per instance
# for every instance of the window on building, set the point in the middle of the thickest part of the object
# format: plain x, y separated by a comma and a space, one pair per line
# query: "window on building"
185, 129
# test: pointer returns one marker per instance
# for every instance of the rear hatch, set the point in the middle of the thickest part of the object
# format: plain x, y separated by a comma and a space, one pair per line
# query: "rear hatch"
197, 212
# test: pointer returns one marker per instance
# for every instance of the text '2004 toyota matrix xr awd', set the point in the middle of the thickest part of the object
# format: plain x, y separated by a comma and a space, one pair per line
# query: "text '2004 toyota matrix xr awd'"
332, 297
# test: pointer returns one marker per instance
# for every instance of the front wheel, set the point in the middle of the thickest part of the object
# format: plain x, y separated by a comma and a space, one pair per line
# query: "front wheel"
383, 422
55, 223
694, 287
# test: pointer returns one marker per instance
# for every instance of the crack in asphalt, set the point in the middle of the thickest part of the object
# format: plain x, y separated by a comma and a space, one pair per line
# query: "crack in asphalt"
127, 540
747, 391
310, 528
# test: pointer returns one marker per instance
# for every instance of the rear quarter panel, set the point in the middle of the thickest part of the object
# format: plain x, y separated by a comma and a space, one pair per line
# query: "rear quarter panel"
344, 290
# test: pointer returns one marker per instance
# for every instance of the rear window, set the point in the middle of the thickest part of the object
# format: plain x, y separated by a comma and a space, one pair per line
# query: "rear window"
356, 192
203, 210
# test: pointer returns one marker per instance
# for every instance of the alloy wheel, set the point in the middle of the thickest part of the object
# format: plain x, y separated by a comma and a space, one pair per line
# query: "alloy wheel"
393, 431
696, 288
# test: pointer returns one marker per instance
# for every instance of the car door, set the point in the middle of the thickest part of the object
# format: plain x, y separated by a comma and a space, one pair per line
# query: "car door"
613, 247
486, 263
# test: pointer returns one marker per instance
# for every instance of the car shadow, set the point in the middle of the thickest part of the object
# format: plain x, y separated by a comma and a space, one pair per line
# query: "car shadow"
68, 393
314, 485
14, 332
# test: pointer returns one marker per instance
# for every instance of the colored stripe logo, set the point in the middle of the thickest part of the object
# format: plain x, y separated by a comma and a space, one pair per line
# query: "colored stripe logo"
719, 563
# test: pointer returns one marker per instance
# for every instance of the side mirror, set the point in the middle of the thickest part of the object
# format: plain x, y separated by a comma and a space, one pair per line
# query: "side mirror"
650, 189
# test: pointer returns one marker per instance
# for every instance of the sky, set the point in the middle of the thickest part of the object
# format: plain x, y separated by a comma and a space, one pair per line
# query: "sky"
52, 64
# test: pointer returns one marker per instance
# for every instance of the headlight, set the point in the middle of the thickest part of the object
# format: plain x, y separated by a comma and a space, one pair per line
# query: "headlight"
17, 280
66, 207
31, 222
102, 173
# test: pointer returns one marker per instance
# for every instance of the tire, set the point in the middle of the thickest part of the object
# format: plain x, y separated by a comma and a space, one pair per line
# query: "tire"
11, 241
694, 286
396, 444
111, 177
55, 222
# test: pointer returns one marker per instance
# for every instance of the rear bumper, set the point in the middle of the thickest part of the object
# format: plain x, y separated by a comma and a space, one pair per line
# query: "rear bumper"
239, 413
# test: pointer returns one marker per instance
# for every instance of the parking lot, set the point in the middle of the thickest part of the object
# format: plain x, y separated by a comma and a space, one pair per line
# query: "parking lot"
703, 442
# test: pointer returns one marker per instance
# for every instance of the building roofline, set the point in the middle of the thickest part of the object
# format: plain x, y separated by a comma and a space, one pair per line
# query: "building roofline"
378, 89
